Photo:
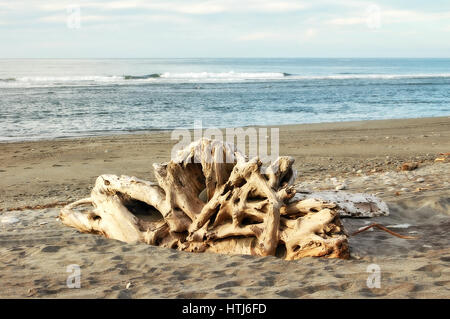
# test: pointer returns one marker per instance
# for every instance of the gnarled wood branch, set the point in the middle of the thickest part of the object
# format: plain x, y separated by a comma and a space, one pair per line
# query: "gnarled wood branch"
210, 198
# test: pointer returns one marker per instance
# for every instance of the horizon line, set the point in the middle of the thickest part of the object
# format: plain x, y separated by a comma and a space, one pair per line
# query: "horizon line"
231, 57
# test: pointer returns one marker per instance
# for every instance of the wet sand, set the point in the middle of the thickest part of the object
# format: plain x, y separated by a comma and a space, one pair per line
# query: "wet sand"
36, 249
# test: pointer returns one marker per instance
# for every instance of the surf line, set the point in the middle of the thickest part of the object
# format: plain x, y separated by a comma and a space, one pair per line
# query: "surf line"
193, 309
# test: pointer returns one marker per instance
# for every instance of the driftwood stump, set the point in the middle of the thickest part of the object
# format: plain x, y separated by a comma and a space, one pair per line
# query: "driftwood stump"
211, 199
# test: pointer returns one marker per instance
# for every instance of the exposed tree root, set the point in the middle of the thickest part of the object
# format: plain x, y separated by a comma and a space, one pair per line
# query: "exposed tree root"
384, 229
210, 198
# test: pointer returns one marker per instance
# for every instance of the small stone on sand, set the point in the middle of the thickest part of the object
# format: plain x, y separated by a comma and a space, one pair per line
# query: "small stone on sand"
409, 166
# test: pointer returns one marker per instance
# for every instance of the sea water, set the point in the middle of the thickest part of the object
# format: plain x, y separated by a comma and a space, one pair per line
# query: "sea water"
53, 98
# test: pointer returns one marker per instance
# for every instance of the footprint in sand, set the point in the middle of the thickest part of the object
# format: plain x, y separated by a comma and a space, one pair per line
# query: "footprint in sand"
433, 271
92, 280
191, 295
117, 257
51, 249
233, 264
228, 284
295, 292
181, 275
267, 282
444, 283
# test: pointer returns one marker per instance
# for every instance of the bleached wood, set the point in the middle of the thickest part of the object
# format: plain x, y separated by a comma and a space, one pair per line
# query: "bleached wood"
347, 204
210, 198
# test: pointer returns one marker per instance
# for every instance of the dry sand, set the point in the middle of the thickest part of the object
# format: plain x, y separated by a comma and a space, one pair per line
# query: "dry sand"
36, 250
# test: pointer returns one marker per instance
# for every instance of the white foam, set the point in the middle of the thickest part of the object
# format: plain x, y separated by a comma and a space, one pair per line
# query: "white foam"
399, 226
371, 76
196, 77
224, 75
51, 81
96, 78
279, 75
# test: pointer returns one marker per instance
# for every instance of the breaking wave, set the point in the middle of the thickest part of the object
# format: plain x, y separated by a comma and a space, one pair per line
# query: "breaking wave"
199, 77
142, 77
225, 75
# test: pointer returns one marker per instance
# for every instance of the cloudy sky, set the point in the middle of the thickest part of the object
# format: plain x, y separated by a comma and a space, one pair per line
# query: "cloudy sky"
224, 28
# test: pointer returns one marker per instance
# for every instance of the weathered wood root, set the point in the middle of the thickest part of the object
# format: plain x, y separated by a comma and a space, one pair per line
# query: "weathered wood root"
356, 205
381, 227
210, 198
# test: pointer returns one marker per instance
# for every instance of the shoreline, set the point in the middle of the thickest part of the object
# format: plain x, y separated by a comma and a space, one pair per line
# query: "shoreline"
107, 134
48, 171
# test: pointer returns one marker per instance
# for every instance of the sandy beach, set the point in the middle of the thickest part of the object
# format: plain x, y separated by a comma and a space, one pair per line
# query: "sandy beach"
364, 156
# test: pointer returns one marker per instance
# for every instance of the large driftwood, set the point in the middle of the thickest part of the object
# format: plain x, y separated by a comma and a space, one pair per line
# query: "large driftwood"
210, 198
348, 204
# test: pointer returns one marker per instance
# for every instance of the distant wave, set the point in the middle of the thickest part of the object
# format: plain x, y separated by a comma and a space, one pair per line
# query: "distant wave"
198, 77
166, 75
142, 77
344, 76
224, 75
50, 81
74, 78
282, 75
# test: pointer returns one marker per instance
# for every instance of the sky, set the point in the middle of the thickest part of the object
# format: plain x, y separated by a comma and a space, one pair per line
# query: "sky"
223, 28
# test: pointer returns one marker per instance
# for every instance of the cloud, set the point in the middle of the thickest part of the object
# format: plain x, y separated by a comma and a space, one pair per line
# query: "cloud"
276, 6
414, 16
140, 11
178, 6
347, 21
310, 33
185, 27
256, 36
388, 16
292, 35
211, 6
62, 18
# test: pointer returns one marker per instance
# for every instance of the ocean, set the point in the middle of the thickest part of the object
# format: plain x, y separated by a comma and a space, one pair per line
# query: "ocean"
54, 98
